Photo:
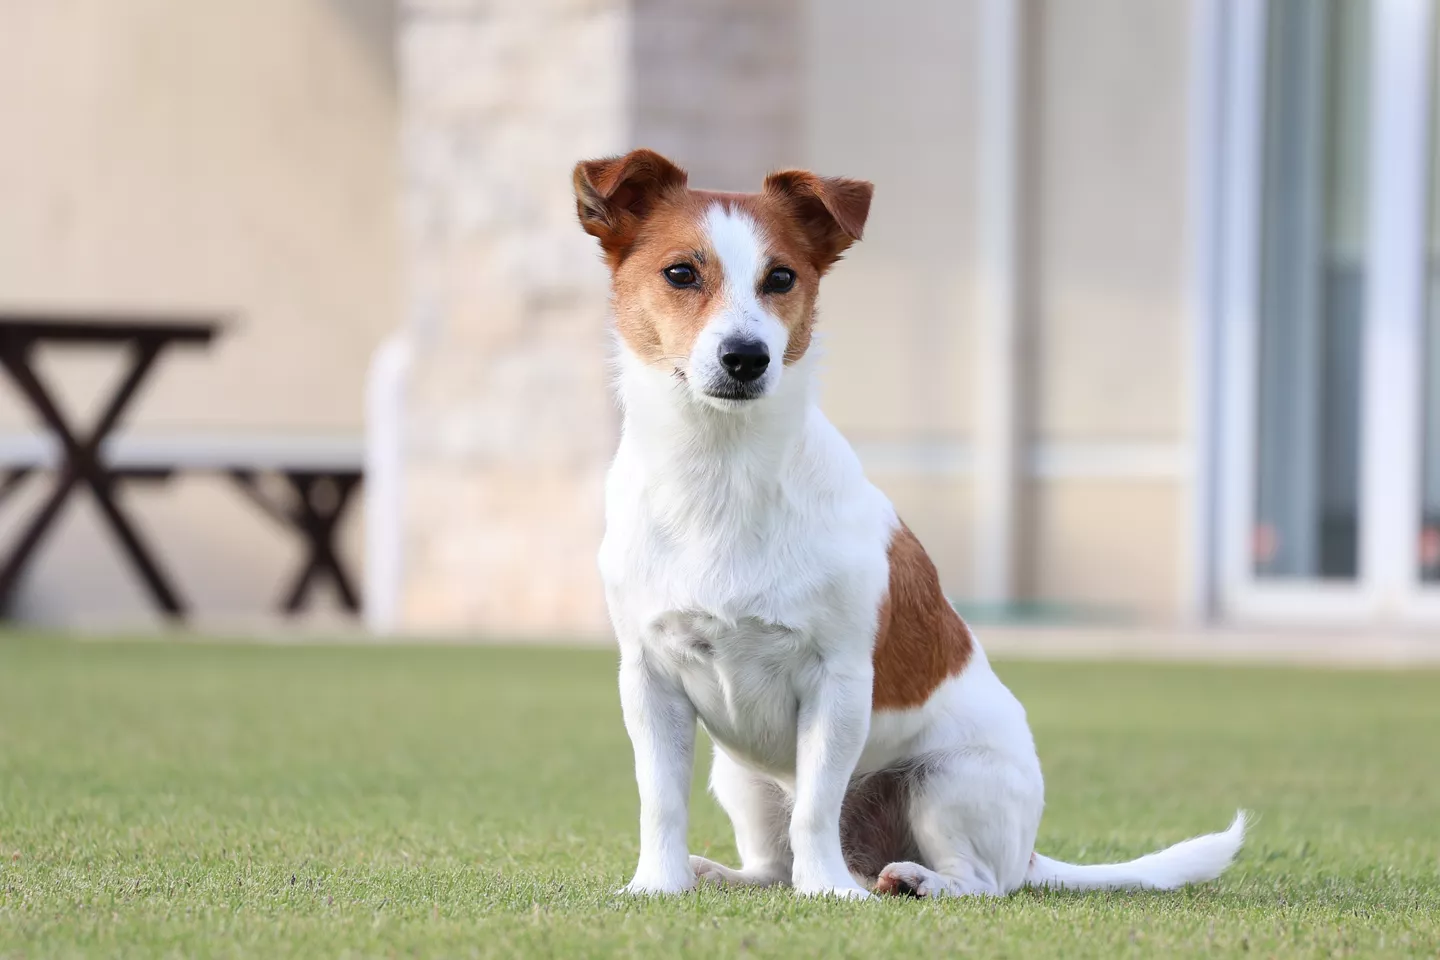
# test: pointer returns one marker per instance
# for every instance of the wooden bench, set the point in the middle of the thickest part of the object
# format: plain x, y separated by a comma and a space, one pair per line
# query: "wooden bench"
321, 472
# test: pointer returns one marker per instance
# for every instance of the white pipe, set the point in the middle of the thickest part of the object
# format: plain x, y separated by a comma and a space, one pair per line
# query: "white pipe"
1205, 195
385, 392
998, 354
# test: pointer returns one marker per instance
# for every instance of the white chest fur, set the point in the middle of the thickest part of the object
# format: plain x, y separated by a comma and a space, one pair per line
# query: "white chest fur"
741, 567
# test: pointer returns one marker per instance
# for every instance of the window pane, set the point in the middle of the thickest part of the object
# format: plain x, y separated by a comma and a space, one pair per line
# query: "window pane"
1312, 290
1429, 546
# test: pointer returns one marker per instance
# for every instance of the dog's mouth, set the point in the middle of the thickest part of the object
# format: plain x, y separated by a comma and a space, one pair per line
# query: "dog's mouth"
733, 392
722, 392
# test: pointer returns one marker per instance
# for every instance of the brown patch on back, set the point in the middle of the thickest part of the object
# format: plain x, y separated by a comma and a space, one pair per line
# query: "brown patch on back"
921, 640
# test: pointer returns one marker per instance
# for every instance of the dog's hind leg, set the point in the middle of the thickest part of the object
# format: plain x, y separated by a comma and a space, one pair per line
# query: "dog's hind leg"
760, 813
905, 878
973, 817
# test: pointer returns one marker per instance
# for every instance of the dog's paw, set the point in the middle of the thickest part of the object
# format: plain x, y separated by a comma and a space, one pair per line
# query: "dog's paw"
647, 883
906, 880
848, 891
635, 889
708, 871
912, 880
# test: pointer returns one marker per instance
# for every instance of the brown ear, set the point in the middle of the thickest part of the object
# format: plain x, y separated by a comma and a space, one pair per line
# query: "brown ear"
615, 194
831, 210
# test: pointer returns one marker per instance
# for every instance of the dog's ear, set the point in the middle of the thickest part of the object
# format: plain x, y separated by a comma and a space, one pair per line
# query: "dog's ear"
831, 210
613, 196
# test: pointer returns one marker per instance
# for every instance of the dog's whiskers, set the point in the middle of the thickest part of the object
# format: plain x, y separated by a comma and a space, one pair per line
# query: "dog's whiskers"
677, 370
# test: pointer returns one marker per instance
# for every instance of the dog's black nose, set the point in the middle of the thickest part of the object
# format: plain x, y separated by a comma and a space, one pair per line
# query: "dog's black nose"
746, 360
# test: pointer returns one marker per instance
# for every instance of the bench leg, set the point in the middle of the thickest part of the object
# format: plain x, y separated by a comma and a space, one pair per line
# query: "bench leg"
82, 463
319, 523
316, 519
13, 478
29, 539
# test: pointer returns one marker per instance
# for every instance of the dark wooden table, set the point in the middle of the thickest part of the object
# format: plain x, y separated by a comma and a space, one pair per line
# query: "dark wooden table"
145, 339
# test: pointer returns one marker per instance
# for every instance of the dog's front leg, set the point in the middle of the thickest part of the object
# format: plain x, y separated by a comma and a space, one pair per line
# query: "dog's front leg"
834, 720
661, 722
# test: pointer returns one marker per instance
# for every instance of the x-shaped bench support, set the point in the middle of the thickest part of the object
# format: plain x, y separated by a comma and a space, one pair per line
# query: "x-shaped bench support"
319, 501
81, 463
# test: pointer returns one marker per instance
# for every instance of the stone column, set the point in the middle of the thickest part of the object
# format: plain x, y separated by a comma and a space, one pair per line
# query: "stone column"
717, 86
509, 423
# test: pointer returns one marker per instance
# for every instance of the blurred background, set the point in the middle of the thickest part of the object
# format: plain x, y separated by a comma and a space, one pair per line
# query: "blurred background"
1142, 331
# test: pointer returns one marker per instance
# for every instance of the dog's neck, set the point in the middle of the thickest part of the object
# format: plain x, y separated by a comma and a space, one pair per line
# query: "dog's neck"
684, 441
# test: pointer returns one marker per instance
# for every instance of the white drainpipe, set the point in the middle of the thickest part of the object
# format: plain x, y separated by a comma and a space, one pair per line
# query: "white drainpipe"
998, 432
385, 391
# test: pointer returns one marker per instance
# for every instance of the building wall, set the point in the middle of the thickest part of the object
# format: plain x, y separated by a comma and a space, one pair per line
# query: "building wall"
716, 84
1103, 276
218, 157
1109, 246
244, 157
730, 89
893, 100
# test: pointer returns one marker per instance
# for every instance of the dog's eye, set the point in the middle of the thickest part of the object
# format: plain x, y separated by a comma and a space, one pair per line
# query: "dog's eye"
779, 280
681, 275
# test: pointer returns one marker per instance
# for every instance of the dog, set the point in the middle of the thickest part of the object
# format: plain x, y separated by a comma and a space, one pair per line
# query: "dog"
760, 584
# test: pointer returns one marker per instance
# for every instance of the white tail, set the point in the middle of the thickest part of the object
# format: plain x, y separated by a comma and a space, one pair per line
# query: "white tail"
1190, 861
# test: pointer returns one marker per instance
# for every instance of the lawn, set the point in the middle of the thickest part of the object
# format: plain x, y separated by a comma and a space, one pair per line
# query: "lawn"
204, 799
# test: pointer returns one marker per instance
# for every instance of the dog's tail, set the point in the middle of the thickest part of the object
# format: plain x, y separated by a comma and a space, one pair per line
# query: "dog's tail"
1190, 861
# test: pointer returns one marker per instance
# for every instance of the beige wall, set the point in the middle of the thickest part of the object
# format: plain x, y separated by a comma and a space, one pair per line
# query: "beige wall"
731, 88
893, 99
1103, 279
219, 156
244, 156
1109, 231
1108, 237
1109, 547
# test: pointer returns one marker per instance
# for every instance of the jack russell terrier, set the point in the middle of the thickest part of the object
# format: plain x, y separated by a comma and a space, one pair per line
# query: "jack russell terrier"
759, 584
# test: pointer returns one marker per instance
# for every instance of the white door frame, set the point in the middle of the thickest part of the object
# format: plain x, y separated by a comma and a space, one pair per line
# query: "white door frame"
1388, 587
1391, 434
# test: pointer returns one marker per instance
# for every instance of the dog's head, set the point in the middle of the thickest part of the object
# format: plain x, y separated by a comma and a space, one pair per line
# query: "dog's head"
719, 288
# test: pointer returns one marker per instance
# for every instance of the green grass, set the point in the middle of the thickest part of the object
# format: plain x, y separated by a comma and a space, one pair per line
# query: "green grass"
171, 799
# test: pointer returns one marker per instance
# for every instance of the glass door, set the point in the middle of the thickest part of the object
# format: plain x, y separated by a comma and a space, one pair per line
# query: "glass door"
1330, 293
1427, 538
1312, 274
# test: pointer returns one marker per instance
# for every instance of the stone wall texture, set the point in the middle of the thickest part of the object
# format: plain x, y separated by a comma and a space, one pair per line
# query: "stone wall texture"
510, 423
716, 85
